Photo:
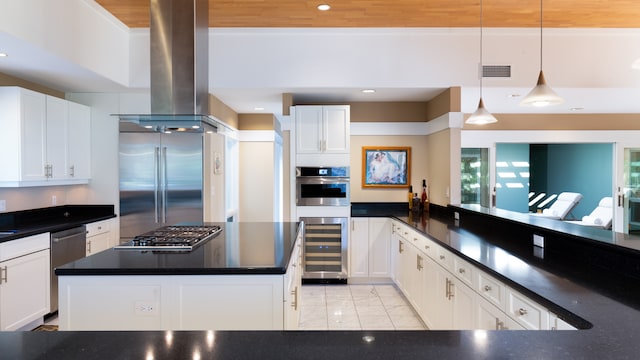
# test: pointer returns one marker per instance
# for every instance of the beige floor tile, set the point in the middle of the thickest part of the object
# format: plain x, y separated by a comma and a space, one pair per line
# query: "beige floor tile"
356, 307
376, 322
371, 311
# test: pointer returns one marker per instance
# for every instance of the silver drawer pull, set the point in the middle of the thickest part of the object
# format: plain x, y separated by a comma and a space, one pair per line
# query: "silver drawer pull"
522, 311
487, 288
461, 271
3, 274
441, 257
427, 247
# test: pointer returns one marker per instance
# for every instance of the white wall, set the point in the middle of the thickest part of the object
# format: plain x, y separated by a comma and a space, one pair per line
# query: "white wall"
257, 188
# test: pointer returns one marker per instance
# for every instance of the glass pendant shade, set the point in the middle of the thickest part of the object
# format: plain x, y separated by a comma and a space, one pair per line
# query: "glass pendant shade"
541, 95
481, 116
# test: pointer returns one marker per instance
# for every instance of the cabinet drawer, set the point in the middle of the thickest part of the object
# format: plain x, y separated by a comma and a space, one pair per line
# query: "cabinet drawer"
429, 248
464, 271
98, 227
402, 231
444, 258
19, 247
416, 239
526, 312
491, 289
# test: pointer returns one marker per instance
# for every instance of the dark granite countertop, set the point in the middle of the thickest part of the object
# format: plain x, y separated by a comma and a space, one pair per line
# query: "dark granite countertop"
18, 224
240, 248
613, 335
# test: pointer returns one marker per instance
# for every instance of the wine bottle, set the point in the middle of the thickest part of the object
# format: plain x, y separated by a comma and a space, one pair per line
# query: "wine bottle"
410, 196
423, 204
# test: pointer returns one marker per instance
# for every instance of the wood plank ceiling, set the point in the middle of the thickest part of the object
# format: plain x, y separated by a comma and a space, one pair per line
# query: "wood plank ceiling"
400, 13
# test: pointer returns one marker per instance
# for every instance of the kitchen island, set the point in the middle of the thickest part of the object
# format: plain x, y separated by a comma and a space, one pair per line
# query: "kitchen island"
244, 278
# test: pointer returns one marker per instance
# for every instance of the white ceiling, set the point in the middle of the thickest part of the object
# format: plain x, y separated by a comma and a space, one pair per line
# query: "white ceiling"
249, 68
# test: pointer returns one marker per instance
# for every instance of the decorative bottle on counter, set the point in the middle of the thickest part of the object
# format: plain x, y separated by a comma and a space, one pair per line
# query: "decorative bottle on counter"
410, 197
416, 203
424, 205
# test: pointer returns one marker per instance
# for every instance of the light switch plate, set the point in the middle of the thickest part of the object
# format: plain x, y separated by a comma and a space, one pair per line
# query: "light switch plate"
538, 240
3, 205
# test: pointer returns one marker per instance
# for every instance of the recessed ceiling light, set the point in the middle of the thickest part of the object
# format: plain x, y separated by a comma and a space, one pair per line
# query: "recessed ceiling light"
3, 54
258, 108
324, 7
576, 109
513, 95
636, 64
368, 91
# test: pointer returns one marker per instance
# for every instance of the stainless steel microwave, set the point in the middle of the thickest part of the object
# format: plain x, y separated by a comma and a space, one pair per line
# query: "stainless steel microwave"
322, 186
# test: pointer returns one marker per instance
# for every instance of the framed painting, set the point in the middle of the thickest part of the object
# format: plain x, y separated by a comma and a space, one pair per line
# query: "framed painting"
386, 166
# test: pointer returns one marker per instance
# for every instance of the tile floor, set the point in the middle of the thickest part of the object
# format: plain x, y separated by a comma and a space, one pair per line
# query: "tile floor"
356, 307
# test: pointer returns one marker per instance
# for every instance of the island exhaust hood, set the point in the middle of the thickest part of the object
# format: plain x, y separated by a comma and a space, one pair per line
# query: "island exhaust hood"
179, 64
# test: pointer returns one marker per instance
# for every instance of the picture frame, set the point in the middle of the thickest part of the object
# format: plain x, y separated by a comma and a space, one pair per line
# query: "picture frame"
386, 166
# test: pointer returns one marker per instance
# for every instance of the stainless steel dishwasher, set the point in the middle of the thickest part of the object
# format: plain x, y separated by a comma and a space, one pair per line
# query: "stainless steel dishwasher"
66, 246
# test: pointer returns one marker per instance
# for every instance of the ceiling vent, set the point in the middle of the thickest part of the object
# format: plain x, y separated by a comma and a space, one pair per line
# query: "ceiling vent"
496, 71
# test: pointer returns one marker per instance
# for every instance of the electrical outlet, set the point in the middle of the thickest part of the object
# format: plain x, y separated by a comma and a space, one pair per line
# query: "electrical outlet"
146, 308
3, 205
538, 240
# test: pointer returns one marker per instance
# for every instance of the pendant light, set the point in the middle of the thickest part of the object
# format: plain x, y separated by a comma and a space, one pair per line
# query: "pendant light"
542, 94
481, 116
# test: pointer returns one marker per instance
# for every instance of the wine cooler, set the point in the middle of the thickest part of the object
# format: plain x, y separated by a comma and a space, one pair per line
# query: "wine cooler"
325, 248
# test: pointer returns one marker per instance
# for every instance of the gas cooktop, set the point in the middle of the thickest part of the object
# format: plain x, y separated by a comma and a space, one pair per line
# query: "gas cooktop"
172, 238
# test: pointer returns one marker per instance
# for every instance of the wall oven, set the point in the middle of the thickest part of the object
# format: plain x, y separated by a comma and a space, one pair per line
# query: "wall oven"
322, 186
325, 248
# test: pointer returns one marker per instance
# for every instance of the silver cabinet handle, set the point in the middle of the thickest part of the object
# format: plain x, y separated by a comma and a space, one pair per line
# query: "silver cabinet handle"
156, 183
294, 293
89, 246
487, 288
419, 262
461, 271
72, 170
3, 274
522, 311
441, 257
165, 183
400, 249
427, 247
446, 289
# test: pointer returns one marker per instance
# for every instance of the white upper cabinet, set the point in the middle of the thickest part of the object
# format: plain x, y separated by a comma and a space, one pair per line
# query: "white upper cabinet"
45, 140
79, 141
322, 129
56, 140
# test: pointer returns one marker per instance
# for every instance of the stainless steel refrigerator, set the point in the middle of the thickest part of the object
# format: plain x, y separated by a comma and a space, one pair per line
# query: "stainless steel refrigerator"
161, 176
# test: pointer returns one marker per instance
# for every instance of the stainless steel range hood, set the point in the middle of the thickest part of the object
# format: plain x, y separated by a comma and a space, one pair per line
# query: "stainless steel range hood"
179, 59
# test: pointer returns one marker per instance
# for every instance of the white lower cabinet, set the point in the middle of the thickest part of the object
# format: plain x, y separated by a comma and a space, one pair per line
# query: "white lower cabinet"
182, 302
450, 294
359, 248
369, 248
558, 324
489, 317
379, 242
293, 284
24, 281
99, 236
526, 312
450, 302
